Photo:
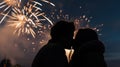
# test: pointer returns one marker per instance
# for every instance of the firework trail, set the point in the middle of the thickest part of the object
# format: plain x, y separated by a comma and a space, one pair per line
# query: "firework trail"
37, 3
8, 6
48, 2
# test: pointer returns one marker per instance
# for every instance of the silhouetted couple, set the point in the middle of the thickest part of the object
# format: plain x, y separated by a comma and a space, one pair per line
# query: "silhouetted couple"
88, 49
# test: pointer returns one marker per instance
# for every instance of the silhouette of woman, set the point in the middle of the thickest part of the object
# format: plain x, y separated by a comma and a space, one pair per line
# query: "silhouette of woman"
88, 50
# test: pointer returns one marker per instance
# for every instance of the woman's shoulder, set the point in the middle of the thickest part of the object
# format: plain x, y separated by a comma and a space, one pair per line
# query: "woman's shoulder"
94, 45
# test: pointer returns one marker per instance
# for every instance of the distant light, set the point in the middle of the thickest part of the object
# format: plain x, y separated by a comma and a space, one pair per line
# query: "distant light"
80, 7
69, 53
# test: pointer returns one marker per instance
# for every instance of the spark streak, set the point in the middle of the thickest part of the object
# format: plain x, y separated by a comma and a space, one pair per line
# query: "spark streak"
8, 5
48, 2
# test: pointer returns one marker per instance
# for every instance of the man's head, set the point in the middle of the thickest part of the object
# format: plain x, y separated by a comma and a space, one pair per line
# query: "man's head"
63, 30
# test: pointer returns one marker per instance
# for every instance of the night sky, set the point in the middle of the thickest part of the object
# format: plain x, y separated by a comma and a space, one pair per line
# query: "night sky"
105, 12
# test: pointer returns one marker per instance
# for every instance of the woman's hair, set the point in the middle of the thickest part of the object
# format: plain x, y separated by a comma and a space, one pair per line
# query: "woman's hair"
85, 35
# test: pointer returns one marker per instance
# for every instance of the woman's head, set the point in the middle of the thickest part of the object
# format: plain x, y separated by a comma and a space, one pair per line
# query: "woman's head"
85, 35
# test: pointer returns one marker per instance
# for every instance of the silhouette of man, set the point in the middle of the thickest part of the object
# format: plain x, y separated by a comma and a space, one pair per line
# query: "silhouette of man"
53, 53
88, 50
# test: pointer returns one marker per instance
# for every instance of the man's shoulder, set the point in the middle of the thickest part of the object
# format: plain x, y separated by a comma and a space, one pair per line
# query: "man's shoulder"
51, 47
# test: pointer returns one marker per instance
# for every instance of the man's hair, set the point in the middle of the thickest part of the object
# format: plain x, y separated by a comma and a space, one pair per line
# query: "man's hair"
62, 29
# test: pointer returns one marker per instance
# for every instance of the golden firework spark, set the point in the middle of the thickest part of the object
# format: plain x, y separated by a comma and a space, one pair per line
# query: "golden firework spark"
13, 3
8, 5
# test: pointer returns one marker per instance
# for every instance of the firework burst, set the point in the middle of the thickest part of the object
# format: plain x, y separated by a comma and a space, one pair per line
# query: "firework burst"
22, 23
27, 19
7, 6
84, 22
